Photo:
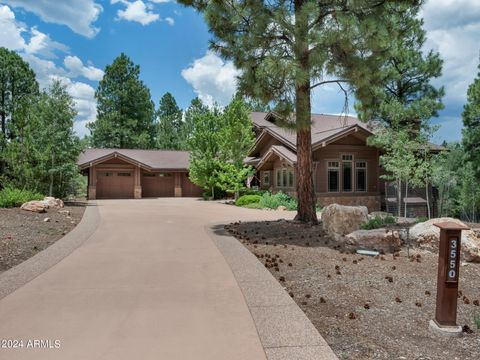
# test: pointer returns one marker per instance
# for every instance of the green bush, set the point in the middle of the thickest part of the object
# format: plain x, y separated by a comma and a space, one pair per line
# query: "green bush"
273, 201
254, 206
378, 222
11, 197
247, 199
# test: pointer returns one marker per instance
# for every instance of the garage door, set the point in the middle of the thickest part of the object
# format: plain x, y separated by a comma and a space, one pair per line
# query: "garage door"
115, 184
189, 189
158, 185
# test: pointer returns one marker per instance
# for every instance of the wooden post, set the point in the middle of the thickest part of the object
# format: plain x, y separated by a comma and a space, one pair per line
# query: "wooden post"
445, 321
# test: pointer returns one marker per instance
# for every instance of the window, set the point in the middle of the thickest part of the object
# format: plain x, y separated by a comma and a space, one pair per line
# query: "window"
266, 178
285, 177
347, 173
361, 176
333, 176
148, 175
165, 174
105, 174
124, 174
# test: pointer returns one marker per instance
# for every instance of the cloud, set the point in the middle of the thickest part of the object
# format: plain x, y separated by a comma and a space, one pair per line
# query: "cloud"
212, 79
77, 68
10, 30
136, 11
169, 20
77, 15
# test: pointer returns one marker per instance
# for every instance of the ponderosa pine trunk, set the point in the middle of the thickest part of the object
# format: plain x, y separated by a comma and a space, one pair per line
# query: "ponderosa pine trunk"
305, 190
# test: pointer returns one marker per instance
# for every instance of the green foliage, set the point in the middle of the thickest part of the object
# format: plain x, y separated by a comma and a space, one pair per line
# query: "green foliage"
169, 124
253, 206
471, 121
378, 222
421, 219
247, 199
476, 319
12, 197
286, 49
196, 108
125, 111
219, 143
273, 201
44, 158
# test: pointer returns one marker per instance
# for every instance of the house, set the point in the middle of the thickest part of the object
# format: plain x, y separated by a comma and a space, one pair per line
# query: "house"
132, 173
346, 170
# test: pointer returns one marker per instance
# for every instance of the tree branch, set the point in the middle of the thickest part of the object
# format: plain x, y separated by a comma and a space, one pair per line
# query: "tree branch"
338, 81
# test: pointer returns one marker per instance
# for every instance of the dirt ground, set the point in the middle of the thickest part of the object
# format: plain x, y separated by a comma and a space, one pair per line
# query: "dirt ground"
25, 233
364, 307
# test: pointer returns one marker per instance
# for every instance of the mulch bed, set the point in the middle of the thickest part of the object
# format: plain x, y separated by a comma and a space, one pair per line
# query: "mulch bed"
24, 233
364, 307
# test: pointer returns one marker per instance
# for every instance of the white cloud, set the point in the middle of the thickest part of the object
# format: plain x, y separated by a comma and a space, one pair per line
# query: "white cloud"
212, 79
160, 1
10, 30
77, 68
169, 20
136, 11
77, 15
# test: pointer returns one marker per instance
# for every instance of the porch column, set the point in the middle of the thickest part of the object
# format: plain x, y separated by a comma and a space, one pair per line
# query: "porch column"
92, 181
178, 184
137, 192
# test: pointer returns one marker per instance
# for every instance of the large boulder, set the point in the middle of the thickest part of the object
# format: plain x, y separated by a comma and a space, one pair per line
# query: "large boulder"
339, 220
35, 206
471, 245
51, 202
377, 239
427, 235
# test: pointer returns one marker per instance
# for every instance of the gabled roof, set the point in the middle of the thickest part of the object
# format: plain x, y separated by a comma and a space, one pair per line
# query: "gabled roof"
281, 152
149, 159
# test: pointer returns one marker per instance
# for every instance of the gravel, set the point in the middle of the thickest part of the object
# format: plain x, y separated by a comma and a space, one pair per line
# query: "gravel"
24, 233
364, 307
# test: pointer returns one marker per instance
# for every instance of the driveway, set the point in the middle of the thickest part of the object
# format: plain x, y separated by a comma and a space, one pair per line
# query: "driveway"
148, 284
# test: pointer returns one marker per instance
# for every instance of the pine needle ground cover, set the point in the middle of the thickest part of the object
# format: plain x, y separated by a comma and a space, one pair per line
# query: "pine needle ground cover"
364, 307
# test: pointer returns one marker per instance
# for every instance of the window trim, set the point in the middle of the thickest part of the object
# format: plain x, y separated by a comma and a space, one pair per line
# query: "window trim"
337, 169
366, 175
265, 173
282, 174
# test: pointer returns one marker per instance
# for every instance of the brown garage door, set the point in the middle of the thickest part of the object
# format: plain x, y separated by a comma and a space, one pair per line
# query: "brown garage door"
115, 184
189, 189
158, 185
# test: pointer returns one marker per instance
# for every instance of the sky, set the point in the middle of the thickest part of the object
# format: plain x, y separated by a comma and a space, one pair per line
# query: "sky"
74, 40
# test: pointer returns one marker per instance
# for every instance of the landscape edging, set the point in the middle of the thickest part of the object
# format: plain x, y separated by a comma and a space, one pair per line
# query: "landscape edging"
19, 275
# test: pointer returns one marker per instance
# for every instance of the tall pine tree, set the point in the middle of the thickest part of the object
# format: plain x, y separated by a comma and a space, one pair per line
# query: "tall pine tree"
169, 124
125, 111
196, 108
285, 49
471, 121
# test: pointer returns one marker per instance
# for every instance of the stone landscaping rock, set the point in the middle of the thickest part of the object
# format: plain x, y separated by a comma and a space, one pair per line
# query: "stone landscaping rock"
51, 202
471, 245
377, 239
34, 206
282, 208
46, 220
339, 220
380, 214
64, 212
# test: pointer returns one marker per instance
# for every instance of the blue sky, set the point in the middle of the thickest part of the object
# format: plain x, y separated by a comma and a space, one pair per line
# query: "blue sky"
74, 40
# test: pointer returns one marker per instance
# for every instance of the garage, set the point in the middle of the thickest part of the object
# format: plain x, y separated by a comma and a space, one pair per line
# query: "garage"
115, 184
135, 173
158, 185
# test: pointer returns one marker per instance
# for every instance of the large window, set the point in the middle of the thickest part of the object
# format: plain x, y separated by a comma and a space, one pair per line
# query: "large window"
347, 174
333, 176
361, 176
285, 178
266, 178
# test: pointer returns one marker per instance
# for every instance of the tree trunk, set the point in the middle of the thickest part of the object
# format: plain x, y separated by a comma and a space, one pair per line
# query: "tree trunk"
305, 189
405, 198
428, 201
399, 194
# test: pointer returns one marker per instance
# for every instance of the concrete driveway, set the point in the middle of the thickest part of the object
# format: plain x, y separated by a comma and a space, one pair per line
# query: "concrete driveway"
148, 284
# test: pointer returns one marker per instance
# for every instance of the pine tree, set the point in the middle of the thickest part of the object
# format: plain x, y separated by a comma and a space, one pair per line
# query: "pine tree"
407, 99
471, 121
125, 111
169, 124
196, 108
286, 49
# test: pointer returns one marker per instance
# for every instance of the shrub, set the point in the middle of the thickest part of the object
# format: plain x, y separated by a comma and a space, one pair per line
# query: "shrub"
254, 206
247, 199
378, 222
273, 201
421, 219
11, 197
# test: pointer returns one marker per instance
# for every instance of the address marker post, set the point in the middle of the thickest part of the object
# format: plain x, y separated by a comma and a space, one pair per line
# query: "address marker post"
445, 321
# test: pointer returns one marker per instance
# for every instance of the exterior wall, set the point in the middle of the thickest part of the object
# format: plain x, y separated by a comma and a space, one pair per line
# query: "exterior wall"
178, 185
266, 144
372, 202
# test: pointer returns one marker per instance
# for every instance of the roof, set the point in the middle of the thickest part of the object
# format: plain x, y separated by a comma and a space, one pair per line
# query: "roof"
151, 159
324, 127
280, 151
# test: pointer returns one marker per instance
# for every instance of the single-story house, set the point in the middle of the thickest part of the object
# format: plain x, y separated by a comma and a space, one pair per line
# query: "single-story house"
132, 173
346, 170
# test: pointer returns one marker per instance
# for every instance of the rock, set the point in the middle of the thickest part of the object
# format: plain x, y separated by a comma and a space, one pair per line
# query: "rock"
426, 235
377, 239
379, 214
46, 219
282, 208
339, 220
64, 212
35, 206
51, 202
471, 245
